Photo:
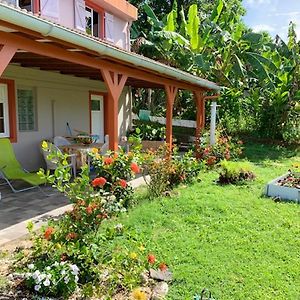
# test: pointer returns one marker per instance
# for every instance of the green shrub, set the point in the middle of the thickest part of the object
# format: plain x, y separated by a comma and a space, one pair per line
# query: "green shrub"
149, 131
235, 172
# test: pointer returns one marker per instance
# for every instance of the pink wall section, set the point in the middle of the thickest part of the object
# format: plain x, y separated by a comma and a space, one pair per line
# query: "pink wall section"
66, 11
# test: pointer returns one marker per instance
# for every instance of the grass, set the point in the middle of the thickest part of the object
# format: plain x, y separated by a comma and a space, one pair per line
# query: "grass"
228, 239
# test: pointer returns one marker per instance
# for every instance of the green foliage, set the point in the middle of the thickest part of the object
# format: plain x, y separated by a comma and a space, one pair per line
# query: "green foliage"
260, 77
149, 131
235, 172
168, 169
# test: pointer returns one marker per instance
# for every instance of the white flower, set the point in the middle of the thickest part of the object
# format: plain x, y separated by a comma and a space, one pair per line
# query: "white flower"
37, 287
36, 274
66, 280
63, 272
56, 264
119, 227
75, 269
76, 278
46, 282
48, 268
31, 266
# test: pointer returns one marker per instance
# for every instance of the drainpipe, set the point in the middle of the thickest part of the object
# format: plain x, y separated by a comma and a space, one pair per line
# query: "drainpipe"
213, 118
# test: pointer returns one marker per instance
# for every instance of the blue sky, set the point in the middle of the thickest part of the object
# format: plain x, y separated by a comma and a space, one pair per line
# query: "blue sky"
272, 15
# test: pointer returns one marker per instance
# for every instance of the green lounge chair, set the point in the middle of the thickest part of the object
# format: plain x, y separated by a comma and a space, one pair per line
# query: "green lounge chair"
11, 170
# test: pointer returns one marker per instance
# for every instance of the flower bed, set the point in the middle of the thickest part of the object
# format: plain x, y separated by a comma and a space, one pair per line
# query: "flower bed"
286, 187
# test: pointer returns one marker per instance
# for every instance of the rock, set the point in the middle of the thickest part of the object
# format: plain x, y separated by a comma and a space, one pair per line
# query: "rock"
160, 291
161, 275
145, 277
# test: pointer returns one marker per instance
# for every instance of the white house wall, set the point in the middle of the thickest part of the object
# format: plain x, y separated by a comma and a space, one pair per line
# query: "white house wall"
62, 98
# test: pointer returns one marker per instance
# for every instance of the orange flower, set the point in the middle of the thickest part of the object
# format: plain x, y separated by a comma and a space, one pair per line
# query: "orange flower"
108, 160
99, 182
163, 267
135, 168
151, 259
211, 160
71, 236
123, 183
89, 210
48, 233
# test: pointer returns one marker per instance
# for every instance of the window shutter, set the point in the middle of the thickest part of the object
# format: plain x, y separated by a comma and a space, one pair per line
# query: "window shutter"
80, 22
109, 27
14, 2
49, 8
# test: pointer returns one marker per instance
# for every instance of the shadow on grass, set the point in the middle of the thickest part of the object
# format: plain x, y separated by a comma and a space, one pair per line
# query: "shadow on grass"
258, 152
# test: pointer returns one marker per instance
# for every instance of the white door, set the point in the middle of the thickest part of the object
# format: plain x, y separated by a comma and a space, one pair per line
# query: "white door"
4, 120
97, 117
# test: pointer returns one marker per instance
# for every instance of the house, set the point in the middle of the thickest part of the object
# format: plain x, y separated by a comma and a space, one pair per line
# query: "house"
66, 65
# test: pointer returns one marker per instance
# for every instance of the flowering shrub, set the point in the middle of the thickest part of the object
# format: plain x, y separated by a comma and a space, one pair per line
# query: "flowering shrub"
168, 169
113, 173
57, 279
226, 148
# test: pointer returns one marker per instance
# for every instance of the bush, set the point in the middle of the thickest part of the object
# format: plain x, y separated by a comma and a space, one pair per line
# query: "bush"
168, 169
226, 148
235, 172
149, 131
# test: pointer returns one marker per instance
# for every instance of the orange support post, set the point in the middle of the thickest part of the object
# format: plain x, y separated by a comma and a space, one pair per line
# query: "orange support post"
200, 120
171, 92
6, 54
115, 83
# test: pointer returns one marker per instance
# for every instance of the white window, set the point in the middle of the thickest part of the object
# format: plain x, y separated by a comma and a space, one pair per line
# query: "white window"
27, 109
4, 118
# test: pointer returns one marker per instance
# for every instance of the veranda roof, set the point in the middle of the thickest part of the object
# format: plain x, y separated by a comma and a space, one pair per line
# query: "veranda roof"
26, 26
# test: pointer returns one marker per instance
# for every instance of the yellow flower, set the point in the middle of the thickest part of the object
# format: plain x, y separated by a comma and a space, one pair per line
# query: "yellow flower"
95, 150
142, 248
137, 294
98, 156
44, 145
133, 255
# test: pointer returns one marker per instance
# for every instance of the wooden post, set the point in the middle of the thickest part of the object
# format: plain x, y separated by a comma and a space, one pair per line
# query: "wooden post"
171, 92
6, 54
115, 83
200, 120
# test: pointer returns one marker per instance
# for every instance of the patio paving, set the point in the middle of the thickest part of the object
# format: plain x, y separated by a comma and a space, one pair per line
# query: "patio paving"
16, 208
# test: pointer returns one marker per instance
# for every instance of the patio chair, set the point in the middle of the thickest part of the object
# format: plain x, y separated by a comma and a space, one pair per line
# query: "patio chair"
105, 146
61, 141
11, 170
52, 163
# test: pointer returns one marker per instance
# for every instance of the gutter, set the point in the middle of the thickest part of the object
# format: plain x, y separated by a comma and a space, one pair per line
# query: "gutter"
27, 20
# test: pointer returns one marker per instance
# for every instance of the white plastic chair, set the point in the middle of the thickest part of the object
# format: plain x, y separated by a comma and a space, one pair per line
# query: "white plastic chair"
61, 141
52, 163
105, 146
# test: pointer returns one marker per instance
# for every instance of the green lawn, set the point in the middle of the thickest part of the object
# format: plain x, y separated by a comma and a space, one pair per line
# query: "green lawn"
228, 239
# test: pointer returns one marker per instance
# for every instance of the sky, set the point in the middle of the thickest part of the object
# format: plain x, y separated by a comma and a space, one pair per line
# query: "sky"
272, 16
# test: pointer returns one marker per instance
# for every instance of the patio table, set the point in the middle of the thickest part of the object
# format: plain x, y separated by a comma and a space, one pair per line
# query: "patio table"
81, 151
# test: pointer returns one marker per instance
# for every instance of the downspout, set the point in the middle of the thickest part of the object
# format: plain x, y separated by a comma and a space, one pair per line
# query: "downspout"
47, 28
213, 118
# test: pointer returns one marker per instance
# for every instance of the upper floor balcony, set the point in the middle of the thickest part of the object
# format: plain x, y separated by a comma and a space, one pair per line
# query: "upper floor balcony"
105, 19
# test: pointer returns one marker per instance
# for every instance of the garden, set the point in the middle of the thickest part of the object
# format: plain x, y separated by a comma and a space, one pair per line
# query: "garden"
198, 224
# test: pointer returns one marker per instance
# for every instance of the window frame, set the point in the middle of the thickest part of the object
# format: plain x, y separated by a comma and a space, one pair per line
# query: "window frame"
35, 109
12, 116
94, 7
35, 6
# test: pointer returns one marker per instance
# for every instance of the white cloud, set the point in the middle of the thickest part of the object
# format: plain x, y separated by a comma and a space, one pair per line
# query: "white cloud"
258, 2
287, 14
263, 27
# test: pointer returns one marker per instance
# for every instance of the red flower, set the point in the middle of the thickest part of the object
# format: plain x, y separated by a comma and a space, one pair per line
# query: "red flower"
163, 267
99, 181
123, 183
48, 233
135, 168
151, 259
102, 216
108, 160
89, 210
211, 160
71, 236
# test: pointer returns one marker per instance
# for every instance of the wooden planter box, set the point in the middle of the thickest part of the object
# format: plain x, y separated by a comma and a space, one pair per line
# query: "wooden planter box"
282, 192
152, 144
